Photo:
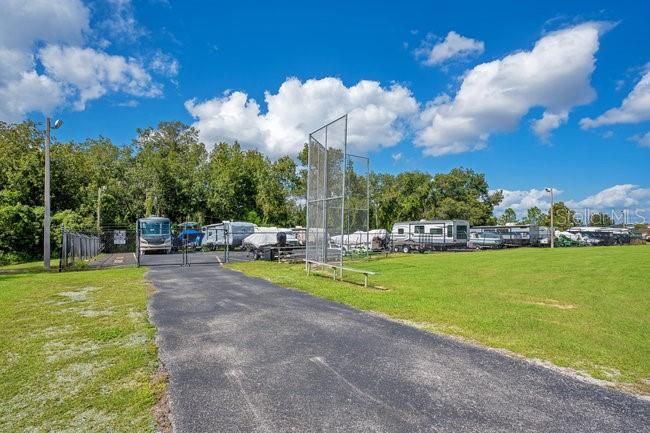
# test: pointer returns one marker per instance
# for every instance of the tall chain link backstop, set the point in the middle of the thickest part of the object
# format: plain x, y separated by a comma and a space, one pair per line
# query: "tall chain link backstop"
337, 196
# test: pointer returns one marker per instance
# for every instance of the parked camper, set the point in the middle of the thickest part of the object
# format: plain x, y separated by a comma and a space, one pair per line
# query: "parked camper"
155, 234
214, 235
602, 235
513, 235
428, 235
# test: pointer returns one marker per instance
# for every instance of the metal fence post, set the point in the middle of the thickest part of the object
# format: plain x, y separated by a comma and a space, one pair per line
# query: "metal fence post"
62, 253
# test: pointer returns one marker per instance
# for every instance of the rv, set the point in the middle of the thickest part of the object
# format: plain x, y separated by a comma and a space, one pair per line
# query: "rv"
513, 235
154, 234
214, 235
602, 235
429, 235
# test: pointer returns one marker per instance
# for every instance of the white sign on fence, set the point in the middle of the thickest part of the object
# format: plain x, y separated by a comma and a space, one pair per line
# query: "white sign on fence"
119, 237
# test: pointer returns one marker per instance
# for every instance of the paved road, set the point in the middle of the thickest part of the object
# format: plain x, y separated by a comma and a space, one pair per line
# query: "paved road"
245, 355
113, 259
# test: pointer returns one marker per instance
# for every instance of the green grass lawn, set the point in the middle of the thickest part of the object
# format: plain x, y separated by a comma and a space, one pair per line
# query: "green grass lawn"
584, 308
76, 351
30, 267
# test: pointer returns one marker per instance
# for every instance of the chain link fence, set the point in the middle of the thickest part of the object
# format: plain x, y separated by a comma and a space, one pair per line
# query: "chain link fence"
77, 247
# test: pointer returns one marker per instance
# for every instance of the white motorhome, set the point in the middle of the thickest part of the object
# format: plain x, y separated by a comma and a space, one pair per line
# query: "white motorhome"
427, 235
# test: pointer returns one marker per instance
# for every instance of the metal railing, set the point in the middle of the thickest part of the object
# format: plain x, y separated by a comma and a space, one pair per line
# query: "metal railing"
77, 247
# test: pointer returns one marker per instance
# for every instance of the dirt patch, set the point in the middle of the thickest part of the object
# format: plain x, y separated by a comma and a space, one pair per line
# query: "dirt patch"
161, 410
553, 303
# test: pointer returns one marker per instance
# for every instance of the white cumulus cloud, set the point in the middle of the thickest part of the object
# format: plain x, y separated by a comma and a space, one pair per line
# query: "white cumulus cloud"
28, 93
626, 195
453, 46
634, 109
93, 73
522, 200
494, 96
24, 22
377, 115
44, 62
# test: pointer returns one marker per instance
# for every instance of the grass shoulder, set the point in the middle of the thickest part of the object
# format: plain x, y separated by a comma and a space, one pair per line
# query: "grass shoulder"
77, 351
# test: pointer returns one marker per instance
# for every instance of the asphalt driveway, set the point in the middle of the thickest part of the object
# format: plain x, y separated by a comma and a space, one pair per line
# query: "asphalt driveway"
245, 355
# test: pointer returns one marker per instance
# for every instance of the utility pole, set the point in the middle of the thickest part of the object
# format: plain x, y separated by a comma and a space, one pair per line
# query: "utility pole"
46, 215
99, 208
552, 234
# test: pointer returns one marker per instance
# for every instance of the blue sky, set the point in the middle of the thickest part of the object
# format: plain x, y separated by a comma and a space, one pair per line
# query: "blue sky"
430, 86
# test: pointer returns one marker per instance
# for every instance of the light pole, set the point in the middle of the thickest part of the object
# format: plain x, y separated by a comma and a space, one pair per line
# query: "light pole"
552, 234
623, 215
100, 190
46, 215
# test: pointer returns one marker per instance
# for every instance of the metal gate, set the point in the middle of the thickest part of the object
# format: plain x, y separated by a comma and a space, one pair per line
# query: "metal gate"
216, 244
118, 240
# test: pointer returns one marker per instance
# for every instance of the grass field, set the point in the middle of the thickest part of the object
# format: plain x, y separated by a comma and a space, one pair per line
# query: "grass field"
584, 308
76, 351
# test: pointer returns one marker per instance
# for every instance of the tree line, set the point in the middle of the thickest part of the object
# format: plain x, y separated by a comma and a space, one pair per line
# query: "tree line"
167, 171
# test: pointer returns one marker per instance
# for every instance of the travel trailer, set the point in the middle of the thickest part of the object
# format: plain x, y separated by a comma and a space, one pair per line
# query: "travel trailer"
214, 235
513, 235
429, 235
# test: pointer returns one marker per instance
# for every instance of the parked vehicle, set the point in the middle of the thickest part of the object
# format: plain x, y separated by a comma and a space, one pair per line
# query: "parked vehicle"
514, 235
268, 241
227, 232
485, 240
429, 235
361, 240
601, 235
189, 236
154, 234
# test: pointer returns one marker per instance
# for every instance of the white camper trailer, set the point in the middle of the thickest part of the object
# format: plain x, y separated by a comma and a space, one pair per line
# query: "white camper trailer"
429, 235
214, 235
513, 235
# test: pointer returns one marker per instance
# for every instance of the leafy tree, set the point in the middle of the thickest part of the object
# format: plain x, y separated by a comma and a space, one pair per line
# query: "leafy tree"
534, 215
170, 163
508, 216
600, 219
464, 193
563, 217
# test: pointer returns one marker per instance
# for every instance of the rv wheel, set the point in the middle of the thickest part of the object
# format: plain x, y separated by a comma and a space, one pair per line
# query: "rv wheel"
406, 249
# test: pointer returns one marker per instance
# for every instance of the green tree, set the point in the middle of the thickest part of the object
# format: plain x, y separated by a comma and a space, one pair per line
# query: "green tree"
534, 215
600, 219
170, 167
464, 194
563, 217
508, 216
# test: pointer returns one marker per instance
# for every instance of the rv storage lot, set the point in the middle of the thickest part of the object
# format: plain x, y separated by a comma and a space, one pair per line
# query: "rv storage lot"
584, 308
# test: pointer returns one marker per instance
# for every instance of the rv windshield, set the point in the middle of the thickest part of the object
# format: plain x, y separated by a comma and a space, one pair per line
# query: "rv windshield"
149, 228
